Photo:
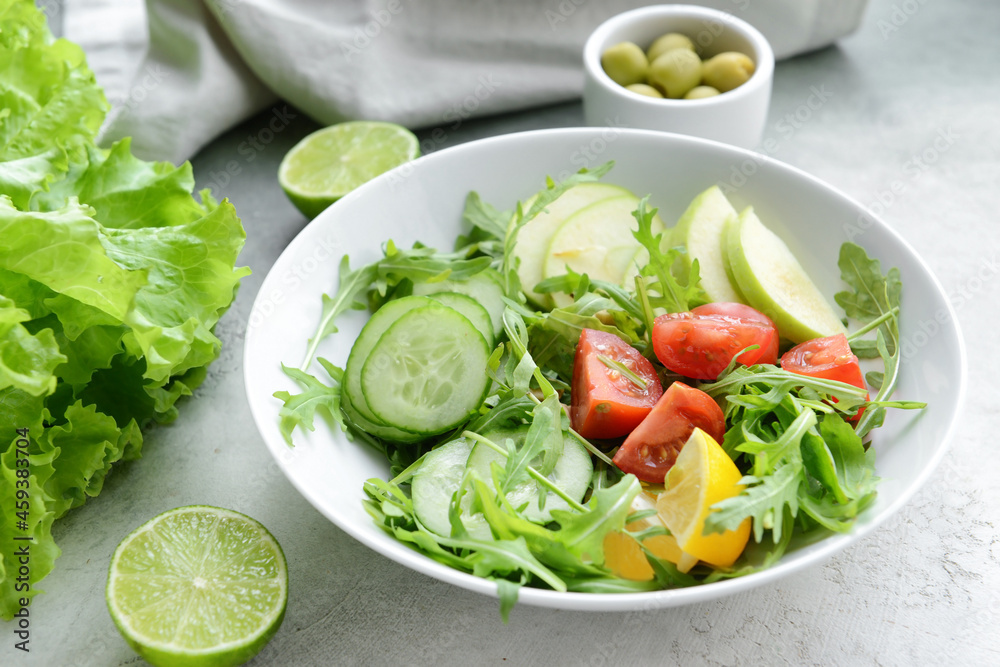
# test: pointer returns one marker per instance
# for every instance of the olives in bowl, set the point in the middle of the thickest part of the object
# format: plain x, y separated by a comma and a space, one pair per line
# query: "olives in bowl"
679, 68
672, 66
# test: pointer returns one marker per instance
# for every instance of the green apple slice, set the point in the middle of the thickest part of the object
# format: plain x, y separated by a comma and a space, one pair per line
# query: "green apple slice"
535, 236
596, 240
702, 231
775, 283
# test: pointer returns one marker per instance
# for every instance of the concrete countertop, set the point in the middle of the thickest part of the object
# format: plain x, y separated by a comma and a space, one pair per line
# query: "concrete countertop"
903, 116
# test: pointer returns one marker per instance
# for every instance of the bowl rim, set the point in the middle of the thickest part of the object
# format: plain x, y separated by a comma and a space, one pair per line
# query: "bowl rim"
821, 551
763, 56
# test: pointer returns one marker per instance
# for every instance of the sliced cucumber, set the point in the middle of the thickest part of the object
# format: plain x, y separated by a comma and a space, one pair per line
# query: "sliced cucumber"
485, 288
596, 240
535, 235
469, 307
383, 318
572, 473
434, 484
377, 429
427, 372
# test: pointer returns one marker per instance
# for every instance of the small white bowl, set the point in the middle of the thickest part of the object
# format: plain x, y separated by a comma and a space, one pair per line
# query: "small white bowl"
736, 117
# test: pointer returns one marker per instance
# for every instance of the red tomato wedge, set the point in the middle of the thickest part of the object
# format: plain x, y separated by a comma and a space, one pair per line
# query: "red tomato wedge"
652, 448
701, 346
769, 353
606, 403
829, 358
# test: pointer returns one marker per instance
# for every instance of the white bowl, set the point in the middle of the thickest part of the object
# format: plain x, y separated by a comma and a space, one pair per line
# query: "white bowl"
736, 117
424, 200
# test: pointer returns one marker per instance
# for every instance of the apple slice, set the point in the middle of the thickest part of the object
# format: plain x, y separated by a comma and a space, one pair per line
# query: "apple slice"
702, 231
775, 283
596, 240
534, 237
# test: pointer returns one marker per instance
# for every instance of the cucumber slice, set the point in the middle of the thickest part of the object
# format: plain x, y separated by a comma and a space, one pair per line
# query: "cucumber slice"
485, 288
775, 283
535, 235
469, 307
572, 473
377, 429
434, 484
383, 318
427, 373
596, 240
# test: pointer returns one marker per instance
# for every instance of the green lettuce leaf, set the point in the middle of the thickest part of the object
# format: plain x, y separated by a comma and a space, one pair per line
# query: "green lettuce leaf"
48, 96
63, 250
191, 282
112, 280
27, 361
125, 192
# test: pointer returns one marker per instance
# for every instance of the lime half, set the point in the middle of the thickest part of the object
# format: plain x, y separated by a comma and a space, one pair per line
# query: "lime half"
331, 162
198, 585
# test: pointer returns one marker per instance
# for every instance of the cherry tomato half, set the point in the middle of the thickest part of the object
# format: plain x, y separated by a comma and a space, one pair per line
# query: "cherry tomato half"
769, 354
701, 346
829, 358
652, 448
606, 403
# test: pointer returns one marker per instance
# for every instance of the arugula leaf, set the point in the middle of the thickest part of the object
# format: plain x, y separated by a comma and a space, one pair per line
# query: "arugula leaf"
765, 499
351, 286
674, 294
484, 216
544, 439
583, 533
300, 409
874, 297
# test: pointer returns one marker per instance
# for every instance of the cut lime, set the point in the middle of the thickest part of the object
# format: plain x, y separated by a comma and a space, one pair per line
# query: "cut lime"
331, 162
198, 585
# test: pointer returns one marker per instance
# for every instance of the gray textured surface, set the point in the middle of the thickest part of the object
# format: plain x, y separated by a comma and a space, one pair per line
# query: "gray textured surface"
923, 589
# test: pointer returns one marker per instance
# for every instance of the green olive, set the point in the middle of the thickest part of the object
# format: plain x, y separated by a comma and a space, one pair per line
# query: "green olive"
625, 63
701, 92
675, 72
727, 70
644, 89
672, 40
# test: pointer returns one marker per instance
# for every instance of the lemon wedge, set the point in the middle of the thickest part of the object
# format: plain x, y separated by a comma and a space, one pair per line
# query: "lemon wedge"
702, 476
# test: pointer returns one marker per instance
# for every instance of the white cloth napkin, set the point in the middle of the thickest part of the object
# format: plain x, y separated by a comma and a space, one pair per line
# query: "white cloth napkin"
180, 72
